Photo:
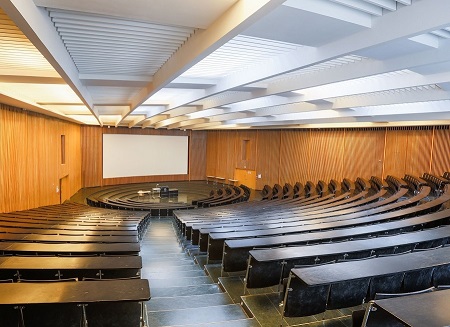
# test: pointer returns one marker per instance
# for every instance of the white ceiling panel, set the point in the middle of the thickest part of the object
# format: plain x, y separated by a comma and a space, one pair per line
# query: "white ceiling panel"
233, 64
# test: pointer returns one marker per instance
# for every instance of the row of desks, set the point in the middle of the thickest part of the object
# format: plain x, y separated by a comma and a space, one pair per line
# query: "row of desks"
216, 240
268, 267
29, 248
236, 251
311, 290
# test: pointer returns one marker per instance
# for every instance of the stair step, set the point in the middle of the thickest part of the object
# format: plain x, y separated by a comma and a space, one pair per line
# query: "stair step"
186, 302
186, 281
172, 275
183, 290
196, 316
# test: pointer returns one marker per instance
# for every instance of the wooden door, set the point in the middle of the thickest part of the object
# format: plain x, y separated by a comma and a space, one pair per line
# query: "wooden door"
246, 177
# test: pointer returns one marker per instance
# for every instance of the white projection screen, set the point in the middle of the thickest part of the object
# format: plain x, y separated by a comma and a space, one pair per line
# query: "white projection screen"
127, 155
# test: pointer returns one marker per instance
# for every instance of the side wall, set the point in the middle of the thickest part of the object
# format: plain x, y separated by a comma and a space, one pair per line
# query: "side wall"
32, 174
92, 153
281, 156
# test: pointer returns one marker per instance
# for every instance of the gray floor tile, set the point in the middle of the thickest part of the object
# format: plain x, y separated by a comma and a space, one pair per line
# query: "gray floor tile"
183, 290
189, 301
186, 281
196, 316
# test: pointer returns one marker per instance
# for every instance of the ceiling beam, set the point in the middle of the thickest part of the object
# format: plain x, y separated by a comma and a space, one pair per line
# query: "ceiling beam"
387, 28
234, 21
359, 69
37, 27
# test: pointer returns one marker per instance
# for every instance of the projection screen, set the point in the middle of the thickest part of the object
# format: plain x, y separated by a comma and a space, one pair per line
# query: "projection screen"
127, 155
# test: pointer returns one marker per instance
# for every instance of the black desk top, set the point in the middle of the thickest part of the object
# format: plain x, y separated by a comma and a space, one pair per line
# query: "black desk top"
38, 262
338, 233
70, 247
24, 230
65, 226
427, 309
338, 223
80, 239
349, 246
75, 292
337, 272
67, 238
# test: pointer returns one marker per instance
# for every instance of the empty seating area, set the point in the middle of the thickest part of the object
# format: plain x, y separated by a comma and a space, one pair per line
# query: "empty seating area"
327, 247
223, 196
72, 265
148, 197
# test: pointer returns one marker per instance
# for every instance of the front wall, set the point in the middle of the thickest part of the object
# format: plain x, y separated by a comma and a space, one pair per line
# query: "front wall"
92, 152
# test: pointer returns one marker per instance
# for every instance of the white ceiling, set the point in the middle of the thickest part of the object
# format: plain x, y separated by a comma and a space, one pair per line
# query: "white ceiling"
229, 64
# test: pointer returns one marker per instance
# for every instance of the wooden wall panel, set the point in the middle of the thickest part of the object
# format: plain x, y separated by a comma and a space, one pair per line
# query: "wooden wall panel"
395, 152
197, 155
226, 149
440, 162
212, 148
295, 156
268, 157
30, 157
363, 153
250, 162
327, 153
92, 163
418, 154
92, 155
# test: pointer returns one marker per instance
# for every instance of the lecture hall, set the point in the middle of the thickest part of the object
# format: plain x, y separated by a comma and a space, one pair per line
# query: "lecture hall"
224, 163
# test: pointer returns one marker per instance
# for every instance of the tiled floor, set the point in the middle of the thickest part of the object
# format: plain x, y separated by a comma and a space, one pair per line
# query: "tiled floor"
186, 292
182, 293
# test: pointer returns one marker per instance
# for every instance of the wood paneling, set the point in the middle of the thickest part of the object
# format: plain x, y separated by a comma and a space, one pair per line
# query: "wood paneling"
212, 144
295, 149
30, 157
408, 151
197, 155
300, 155
92, 139
92, 164
249, 162
363, 153
268, 157
418, 154
395, 152
440, 162
327, 154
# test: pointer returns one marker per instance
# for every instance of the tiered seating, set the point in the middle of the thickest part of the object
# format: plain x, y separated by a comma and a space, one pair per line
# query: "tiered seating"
223, 196
67, 265
348, 225
128, 198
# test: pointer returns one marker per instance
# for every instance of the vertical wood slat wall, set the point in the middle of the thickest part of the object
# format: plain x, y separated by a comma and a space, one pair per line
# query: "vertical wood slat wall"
30, 159
288, 156
92, 153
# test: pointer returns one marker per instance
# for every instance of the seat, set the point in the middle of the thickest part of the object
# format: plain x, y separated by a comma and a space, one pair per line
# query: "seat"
417, 280
385, 284
441, 275
348, 293
301, 300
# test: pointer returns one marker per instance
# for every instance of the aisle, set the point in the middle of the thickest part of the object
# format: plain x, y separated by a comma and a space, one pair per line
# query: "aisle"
182, 294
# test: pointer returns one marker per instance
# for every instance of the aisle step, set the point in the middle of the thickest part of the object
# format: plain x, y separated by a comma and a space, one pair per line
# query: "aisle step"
186, 281
190, 301
196, 316
183, 290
